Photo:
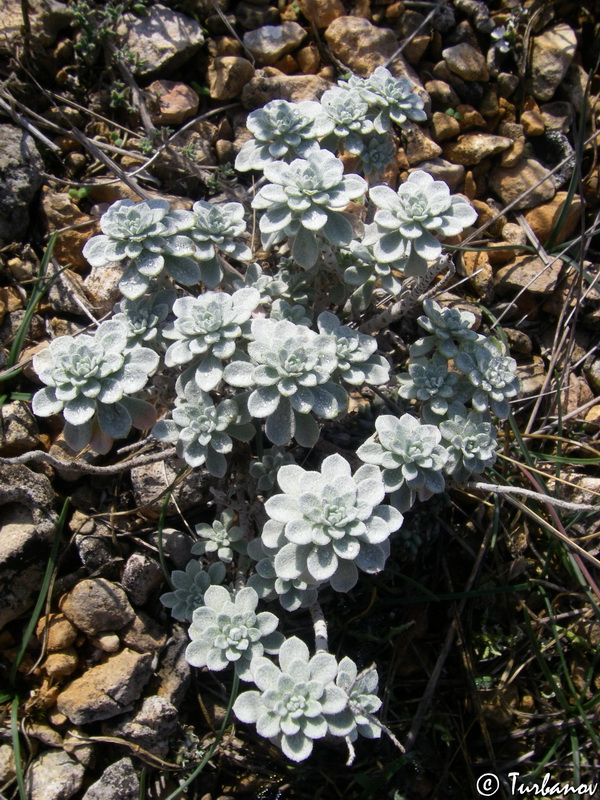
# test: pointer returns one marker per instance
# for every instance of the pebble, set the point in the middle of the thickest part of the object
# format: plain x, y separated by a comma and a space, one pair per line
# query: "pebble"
532, 374
174, 674
557, 116
108, 689
509, 183
175, 102
18, 429
26, 529
476, 266
224, 46
308, 59
469, 118
251, 17
417, 144
271, 42
20, 178
53, 775
514, 154
82, 751
514, 233
8, 770
410, 21
592, 373
269, 84
322, 12
61, 211
471, 148
442, 170
485, 213
96, 605
507, 84
552, 54
542, 219
61, 663
529, 273
141, 576
359, 44
150, 727
108, 642
444, 126
533, 123
102, 287
466, 62
143, 634
518, 341
119, 781
442, 94
152, 480
160, 41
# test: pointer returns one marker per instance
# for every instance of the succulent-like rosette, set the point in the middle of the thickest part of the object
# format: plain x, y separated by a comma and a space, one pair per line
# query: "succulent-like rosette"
228, 630
189, 587
409, 453
333, 523
264, 471
90, 379
282, 131
391, 98
365, 268
363, 703
151, 238
293, 593
376, 154
447, 327
431, 382
410, 219
221, 538
358, 361
492, 374
144, 317
201, 430
295, 700
291, 368
216, 227
306, 198
471, 442
206, 330
349, 113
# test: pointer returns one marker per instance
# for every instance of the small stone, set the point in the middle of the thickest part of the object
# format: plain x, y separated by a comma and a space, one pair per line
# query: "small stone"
18, 429
227, 76
418, 146
141, 576
53, 776
441, 170
507, 84
61, 663
322, 12
489, 105
108, 642
533, 123
107, 689
410, 21
466, 62
177, 546
529, 273
61, 211
160, 41
143, 634
82, 751
509, 183
250, 17
8, 770
532, 374
308, 59
592, 373
20, 178
152, 480
360, 44
575, 395
288, 65
486, 213
266, 86
150, 727
102, 287
514, 234
225, 151
444, 126
175, 102
96, 605
119, 781
476, 266
469, 118
552, 54
544, 218
512, 157
471, 148
271, 42
518, 341
557, 116
224, 46
174, 674
442, 94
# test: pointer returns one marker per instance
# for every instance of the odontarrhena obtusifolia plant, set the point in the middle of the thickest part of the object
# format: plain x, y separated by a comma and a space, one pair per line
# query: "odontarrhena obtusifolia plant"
233, 347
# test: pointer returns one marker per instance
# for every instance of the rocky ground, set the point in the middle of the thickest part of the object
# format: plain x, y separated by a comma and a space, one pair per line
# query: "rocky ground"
98, 100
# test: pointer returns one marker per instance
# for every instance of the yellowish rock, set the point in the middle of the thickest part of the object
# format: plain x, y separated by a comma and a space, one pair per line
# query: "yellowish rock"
544, 218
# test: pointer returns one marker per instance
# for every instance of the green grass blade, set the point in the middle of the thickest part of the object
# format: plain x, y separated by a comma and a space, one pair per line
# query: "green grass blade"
14, 730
